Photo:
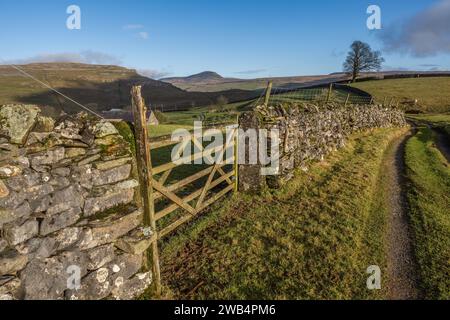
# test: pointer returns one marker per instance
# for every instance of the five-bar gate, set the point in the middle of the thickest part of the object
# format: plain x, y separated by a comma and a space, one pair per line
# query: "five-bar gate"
155, 189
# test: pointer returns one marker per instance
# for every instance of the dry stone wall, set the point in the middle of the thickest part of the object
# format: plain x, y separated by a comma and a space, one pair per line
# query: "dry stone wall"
308, 133
69, 207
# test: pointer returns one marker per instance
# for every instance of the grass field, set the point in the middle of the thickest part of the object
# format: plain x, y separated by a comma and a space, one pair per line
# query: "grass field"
433, 94
429, 200
210, 116
314, 239
437, 121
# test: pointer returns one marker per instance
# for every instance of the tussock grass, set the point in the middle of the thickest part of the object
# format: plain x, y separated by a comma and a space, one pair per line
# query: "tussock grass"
429, 200
314, 239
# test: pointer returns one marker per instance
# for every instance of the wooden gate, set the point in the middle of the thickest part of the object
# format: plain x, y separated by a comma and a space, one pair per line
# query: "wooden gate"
154, 179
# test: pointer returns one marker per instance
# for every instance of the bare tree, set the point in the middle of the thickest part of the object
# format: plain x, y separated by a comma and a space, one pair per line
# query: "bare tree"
362, 58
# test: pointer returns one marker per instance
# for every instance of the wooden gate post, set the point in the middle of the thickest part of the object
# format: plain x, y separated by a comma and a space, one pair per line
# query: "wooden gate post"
144, 164
268, 92
347, 100
236, 157
330, 90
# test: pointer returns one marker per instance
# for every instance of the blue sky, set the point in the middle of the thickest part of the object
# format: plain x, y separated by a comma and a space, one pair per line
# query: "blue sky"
246, 38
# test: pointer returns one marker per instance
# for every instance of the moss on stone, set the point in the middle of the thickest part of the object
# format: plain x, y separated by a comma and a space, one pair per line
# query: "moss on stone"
127, 133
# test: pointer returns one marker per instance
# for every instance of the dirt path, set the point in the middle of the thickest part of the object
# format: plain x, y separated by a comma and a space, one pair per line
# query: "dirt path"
402, 268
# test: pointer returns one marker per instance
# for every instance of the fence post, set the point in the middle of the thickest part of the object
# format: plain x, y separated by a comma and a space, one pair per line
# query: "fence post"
347, 100
330, 90
384, 102
236, 157
390, 102
144, 164
268, 91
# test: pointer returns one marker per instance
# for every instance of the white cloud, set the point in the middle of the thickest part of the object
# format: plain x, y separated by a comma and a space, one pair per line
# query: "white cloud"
88, 56
425, 34
143, 35
254, 71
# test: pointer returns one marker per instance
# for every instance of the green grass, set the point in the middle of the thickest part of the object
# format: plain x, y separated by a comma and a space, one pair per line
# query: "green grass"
319, 95
314, 239
166, 129
437, 121
429, 200
433, 94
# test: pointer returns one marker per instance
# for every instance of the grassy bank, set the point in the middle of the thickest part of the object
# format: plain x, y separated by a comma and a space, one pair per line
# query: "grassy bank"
314, 239
432, 93
429, 200
437, 121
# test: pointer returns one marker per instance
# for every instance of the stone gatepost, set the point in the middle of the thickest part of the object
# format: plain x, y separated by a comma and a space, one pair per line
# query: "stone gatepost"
250, 178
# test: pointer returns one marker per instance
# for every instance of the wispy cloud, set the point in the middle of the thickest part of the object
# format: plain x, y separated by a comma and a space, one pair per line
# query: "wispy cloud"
429, 65
254, 71
153, 74
143, 35
425, 34
133, 27
391, 68
88, 56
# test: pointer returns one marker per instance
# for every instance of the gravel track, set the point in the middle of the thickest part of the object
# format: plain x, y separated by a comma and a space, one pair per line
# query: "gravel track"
403, 276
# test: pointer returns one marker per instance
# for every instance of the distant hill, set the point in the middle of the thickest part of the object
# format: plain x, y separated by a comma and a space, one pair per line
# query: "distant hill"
210, 81
98, 86
206, 76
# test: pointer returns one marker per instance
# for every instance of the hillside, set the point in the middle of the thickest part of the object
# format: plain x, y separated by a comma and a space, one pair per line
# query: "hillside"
203, 77
432, 94
211, 81
96, 86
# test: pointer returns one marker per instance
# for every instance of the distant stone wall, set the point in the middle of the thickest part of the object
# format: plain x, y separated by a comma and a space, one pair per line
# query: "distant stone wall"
308, 133
69, 203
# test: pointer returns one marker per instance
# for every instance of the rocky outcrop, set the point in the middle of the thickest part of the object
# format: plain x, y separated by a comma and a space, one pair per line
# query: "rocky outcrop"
68, 202
308, 133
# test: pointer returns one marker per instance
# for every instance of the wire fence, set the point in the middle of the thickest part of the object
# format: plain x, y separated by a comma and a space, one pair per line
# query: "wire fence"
334, 93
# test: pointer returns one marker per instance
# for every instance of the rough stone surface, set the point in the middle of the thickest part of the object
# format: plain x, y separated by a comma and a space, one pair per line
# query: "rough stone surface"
136, 242
103, 129
55, 175
10, 215
3, 245
9, 171
94, 287
47, 158
110, 200
107, 165
16, 121
107, 231
4, 191
308, 133
66, 199
47, 279
59, 221
100, 256
130, 289
18, 234
11, 262
75, 152
10, 289
44, 124
111, 176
